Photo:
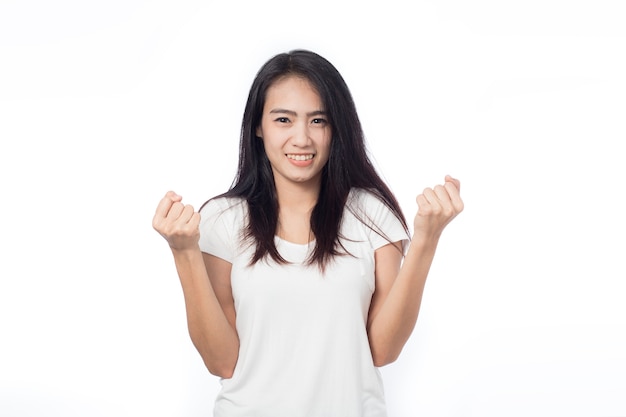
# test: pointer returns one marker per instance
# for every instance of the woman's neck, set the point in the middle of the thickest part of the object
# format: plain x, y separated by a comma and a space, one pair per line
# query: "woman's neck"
297, 196
295, 205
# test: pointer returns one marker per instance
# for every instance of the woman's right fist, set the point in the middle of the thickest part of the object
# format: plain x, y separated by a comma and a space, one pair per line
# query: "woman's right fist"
177, 223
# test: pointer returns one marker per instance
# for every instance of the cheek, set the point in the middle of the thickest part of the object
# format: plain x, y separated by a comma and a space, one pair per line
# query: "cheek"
328, 142
326, 152
324, 139
271, 139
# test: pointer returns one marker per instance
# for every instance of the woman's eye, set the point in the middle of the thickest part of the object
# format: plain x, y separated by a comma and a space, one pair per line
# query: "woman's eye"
282, 120
319, 121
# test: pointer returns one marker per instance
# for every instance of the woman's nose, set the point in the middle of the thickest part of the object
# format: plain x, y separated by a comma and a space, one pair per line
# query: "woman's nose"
300, 135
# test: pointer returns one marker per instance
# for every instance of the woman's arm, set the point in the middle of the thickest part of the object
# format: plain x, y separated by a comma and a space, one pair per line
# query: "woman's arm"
398, 295
208, 301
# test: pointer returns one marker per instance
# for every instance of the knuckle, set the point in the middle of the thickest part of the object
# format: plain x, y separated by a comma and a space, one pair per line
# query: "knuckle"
157, 224
425, 210
167, 230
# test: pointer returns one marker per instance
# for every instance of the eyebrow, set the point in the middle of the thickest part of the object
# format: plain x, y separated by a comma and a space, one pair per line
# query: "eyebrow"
293, 113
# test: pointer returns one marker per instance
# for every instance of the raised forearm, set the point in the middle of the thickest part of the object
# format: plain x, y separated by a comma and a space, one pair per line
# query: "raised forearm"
213, 336
394, 322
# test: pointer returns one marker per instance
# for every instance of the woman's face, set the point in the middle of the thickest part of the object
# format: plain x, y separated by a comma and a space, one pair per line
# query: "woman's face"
295, 131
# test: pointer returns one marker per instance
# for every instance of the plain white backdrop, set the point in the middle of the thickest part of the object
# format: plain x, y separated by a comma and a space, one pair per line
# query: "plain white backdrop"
106, 105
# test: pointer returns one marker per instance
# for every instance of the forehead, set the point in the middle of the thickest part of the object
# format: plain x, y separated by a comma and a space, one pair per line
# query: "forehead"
292, 91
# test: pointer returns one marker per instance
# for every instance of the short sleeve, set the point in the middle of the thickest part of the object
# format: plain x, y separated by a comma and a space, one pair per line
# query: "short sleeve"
219, 229
383, 226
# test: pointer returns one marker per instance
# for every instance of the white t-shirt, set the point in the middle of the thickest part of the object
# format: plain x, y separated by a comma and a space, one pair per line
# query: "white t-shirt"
304, 350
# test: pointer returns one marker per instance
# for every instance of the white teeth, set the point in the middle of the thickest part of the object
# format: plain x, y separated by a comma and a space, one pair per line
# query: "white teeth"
300, 157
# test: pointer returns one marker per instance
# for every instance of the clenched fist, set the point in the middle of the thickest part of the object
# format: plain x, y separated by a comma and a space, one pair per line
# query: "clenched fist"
177, 222
437, 207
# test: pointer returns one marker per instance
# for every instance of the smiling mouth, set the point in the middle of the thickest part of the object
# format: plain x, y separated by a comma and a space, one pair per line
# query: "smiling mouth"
300, 157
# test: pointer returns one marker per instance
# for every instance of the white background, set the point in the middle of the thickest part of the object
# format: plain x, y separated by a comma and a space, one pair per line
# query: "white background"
106, 105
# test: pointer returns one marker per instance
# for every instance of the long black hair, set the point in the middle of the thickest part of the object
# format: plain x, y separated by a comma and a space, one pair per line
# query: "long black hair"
348, 165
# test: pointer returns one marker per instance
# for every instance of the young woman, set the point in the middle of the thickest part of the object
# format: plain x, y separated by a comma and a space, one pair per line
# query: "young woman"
299, 282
